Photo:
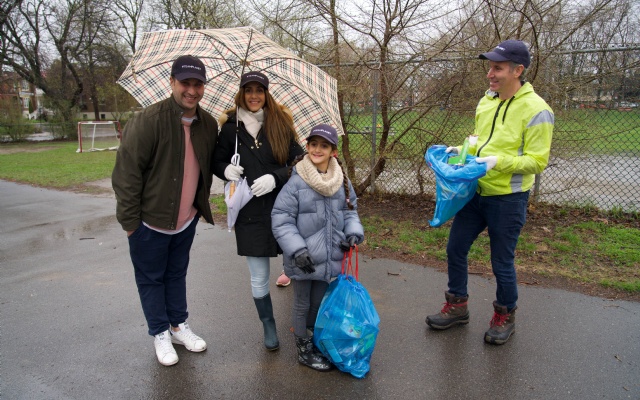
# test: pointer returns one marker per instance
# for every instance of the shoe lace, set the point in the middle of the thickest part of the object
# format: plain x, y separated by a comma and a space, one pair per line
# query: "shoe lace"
448, 306
498, 319
165, 345
187, 333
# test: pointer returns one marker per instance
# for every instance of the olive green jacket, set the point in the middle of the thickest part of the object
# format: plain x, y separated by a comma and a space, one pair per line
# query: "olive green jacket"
147, 177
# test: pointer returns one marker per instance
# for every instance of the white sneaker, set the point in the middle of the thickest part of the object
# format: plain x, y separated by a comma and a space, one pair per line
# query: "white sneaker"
164, 349
188, 339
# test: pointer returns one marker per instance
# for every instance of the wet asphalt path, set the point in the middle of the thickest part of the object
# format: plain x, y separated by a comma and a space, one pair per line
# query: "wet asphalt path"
71, 326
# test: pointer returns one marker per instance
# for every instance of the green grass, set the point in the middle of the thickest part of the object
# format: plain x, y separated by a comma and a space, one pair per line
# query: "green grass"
619, 246
598, 131
436, 127
55, 165
599, 252
590, 252
576, 131
633, 286
218, 206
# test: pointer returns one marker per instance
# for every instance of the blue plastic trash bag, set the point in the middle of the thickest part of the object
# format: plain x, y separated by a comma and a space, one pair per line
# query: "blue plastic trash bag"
347, 325
455, 184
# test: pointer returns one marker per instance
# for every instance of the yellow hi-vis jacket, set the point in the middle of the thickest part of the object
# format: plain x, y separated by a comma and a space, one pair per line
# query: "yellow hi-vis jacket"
518, 131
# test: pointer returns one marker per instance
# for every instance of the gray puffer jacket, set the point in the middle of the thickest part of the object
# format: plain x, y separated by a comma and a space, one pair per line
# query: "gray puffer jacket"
303, 218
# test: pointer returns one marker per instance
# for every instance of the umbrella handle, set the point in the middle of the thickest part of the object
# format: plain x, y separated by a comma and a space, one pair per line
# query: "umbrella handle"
235, 159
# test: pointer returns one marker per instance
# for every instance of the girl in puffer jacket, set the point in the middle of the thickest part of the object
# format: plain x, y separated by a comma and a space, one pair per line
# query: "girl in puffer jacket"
315, 220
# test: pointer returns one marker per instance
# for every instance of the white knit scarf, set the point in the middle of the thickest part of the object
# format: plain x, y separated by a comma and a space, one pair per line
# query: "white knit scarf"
252, 120
325, 184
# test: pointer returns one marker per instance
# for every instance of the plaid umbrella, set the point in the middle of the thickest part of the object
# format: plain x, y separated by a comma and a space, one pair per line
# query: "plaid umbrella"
309, 92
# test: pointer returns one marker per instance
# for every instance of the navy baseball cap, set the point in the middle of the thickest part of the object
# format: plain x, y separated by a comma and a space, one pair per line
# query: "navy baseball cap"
255, 76
326, 132
509, 50
185, 67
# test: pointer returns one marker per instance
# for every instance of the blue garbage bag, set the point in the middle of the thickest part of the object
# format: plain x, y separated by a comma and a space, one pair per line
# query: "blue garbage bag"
347, 325
455, 184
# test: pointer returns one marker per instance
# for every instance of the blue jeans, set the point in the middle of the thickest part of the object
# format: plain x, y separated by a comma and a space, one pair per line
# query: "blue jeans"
160, 265
504, 216
259, 268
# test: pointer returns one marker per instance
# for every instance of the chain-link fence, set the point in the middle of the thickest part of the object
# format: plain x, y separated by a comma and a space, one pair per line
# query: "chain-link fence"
394, 112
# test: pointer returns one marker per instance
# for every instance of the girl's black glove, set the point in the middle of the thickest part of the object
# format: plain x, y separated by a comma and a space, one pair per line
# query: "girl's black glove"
346, 245
303, 261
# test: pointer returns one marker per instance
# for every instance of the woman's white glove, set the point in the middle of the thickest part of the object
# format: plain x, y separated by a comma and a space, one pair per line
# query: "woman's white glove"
490, 161
263, 185
233, 172
452, 149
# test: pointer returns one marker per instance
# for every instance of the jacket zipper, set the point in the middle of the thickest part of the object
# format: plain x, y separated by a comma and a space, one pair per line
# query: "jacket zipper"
493, 125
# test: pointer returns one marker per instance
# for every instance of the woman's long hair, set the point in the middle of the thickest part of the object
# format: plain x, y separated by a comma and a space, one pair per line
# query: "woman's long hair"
277, 125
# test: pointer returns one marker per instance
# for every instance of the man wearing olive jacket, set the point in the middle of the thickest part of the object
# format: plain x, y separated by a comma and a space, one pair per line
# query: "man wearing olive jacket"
162, 180
513, 127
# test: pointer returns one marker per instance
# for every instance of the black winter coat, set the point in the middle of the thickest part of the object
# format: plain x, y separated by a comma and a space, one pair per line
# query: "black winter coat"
253, 225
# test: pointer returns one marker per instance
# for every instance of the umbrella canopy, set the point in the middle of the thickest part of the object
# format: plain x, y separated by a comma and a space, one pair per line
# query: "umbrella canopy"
309, 92
236, 195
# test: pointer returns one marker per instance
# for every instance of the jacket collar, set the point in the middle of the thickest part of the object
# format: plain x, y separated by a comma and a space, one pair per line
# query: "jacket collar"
525, 88
175, 107
326, 184
229, 114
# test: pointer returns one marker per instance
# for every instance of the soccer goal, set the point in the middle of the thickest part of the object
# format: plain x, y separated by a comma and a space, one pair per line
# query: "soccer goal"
98, 136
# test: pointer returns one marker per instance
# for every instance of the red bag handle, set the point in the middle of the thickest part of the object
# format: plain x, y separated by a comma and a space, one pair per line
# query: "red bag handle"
348, 257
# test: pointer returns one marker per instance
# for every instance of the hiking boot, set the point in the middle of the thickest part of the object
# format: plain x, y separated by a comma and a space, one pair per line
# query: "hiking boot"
310, 356
502, 325
454, 312
188, 339
164, 349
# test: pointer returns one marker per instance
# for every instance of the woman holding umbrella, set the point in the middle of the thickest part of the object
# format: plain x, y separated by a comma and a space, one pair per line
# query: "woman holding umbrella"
266, 144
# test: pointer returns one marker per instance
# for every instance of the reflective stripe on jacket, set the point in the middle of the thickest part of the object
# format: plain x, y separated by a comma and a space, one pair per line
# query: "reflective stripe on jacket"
518, 131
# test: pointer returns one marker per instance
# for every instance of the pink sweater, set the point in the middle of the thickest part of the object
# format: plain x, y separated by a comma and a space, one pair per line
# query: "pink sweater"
189, 180
189, 184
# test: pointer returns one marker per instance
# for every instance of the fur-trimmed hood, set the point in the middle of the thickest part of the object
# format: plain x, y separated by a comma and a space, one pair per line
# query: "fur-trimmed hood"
224, 117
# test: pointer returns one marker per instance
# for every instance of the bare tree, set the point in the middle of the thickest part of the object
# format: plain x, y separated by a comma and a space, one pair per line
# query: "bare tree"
58, 46
390, 31
129, 14
290, 23
196, 14
23, 47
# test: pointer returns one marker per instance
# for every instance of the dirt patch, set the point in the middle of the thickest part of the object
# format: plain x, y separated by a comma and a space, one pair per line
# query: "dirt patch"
93, 189
23, 148
541, 219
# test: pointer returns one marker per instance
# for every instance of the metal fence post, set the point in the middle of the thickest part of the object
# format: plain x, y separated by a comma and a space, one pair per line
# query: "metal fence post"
536, 189
374, 124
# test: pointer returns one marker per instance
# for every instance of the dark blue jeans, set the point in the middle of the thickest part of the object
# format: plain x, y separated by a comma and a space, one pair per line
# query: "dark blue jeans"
160, 264
504, 216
